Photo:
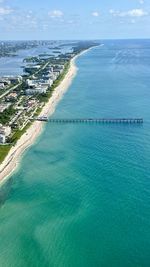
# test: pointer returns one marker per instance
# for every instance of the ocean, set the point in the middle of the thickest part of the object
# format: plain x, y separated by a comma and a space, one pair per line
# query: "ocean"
81, 196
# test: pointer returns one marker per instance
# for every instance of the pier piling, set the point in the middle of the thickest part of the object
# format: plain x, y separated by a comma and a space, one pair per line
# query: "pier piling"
97, 120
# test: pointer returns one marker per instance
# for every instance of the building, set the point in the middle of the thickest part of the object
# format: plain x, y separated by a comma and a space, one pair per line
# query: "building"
2, 139
32, 68
30, 83
11, 97
5, 81
5, 131
58, 68
49, 69
2, 86
38, 86
31, 103
56, 74
48, 76
15, 80
33, 84
37, 90
47, 82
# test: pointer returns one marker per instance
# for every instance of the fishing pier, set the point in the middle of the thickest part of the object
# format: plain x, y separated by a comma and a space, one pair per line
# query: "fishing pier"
92, 120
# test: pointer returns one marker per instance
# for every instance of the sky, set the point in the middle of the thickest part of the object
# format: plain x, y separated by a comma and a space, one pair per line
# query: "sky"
74, 20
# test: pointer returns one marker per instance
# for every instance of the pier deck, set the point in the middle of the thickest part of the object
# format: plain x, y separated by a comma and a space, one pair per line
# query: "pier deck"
97, 120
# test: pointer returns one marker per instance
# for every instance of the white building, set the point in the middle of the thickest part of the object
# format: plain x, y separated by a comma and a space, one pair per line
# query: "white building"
58, 68
12, 79
47, 82
37, 90
2, 139
51, 76
33, 84
5, 81
5, 131
2, 86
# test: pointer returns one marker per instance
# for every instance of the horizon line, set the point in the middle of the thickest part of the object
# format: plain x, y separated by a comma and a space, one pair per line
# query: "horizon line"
102, 39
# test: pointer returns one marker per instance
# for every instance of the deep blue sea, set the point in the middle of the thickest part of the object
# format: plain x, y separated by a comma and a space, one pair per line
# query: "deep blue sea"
81, 197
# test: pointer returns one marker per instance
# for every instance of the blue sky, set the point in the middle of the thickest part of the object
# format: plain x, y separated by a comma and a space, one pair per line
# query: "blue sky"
79, 19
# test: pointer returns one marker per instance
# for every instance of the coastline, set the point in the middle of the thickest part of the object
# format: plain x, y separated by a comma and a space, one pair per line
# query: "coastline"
12, 160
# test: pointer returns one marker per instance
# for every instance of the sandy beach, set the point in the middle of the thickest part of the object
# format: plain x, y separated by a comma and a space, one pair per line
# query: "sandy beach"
12, 160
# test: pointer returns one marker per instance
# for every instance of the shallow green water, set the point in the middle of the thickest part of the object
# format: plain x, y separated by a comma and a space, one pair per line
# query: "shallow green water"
81, 197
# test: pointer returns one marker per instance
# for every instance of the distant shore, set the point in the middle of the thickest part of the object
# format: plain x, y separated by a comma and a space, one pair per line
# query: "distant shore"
12, 160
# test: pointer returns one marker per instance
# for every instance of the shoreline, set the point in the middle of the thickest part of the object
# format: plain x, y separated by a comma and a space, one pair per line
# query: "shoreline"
12, 160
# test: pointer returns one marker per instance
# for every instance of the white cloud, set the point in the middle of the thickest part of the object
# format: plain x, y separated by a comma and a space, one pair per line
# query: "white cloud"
133, 21
45, 27
137, 13
56, 14
141, 2
130, 13
112, 11
70, 21
28, 16
5, 11
95, 14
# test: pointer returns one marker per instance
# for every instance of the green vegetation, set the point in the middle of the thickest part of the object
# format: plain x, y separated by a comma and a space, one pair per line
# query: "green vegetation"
43, 98
4, 149
38, 111
6, 114
18, 133
21, 87
45, 55
83, 45
31, 59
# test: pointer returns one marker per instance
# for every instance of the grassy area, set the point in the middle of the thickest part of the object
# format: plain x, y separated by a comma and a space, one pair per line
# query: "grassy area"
38, 111
6, 115
18, 133
4, 151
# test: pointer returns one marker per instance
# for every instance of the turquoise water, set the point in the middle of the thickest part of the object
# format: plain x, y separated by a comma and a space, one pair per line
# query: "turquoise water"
81, 197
